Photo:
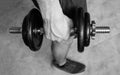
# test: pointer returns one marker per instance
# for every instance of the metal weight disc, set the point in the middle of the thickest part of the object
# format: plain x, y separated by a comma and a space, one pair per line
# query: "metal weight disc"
33, 21
87, 30
80, 27
25, 31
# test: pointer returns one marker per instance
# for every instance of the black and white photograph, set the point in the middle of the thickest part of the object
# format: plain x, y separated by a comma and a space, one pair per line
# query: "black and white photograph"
59, 37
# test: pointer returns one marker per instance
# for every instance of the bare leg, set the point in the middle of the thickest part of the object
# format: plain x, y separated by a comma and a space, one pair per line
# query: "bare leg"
60, 50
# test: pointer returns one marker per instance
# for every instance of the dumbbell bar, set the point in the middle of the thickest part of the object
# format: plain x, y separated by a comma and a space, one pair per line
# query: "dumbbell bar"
98, 30
18, 30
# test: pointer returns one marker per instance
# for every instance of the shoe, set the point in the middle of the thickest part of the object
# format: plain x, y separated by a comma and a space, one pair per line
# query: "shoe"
71, 66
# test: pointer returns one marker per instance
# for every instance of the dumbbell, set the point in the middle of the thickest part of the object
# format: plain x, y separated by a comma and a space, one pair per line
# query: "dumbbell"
84, 29
32, 30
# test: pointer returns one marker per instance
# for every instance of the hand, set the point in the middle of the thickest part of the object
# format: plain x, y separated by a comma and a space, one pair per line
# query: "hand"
57, 25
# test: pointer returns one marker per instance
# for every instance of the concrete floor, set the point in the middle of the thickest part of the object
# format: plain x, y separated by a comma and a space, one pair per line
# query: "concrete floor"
102, 57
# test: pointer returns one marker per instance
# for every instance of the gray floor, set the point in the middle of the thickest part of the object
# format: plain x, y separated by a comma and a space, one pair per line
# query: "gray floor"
102, 57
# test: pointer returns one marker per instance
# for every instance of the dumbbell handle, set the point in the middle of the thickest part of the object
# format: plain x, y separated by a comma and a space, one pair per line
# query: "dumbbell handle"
102, 29
15, 30
98, 29
18, 30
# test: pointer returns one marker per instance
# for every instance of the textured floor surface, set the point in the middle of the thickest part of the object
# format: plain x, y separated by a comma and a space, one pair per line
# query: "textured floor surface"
102, 57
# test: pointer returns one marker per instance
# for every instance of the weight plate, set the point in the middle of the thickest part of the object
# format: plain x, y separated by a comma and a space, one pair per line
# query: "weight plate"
33, 21
87, 30
80, 27
25, 31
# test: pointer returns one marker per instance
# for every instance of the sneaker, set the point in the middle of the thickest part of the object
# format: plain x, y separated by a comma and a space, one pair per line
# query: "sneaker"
71, 66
